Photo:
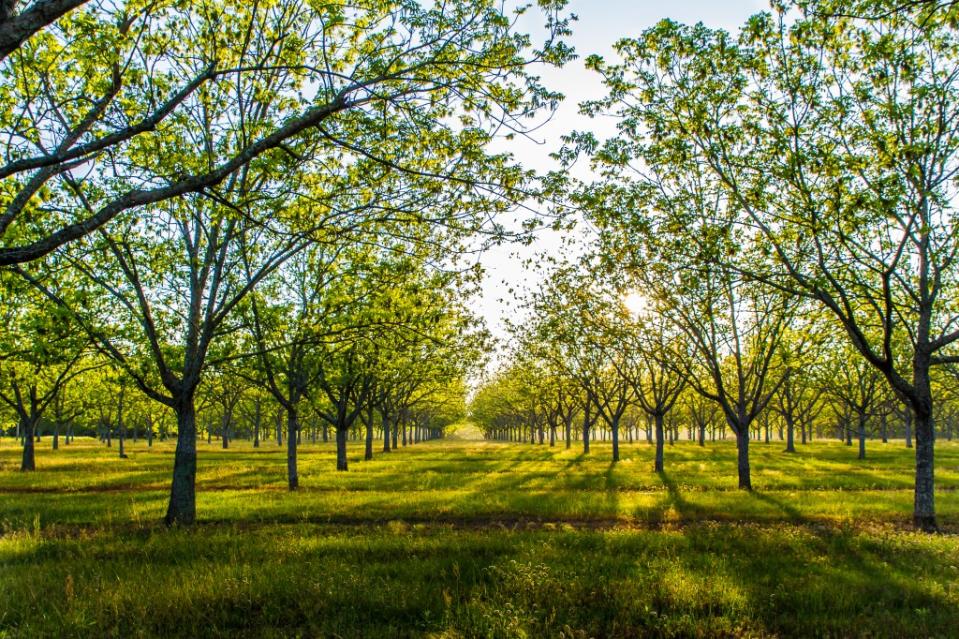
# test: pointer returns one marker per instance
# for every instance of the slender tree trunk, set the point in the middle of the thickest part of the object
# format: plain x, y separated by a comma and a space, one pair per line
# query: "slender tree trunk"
368, 454
182, 507
225, 430
790, 434
386, 433
292, 438
29, 460
659, 442
742, 459
122, 437
615, 428
586, 429
56, 436
341, 434
257, 416
908, 421
862, 437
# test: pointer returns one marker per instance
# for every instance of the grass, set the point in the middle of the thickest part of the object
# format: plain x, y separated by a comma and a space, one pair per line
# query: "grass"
473, 539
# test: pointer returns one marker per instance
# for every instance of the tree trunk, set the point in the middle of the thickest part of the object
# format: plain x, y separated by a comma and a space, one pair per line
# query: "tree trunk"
742, 458
908, 428
182, 507
862, 437
659, 442
257, 416
341, 434
386, 433
292, 437
122, 437
29, 461
586, 429
790, 434
615, 427
56, 436
368, 454
924, 512
225, 431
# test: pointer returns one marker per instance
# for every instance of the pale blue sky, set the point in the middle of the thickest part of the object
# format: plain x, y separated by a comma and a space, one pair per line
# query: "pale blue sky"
601, 23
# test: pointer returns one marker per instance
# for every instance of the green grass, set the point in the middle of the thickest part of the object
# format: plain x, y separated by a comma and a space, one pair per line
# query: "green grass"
473, 539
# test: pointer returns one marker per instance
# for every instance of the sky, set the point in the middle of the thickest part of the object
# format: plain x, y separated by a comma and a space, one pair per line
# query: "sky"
601, 23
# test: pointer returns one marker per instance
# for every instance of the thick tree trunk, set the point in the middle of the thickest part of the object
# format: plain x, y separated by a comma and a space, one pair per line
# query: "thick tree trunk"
29, 460
924, 512
341, 434
56, 436
702, 435
742, 459
292, 437
790, 435
658, 425
182, 507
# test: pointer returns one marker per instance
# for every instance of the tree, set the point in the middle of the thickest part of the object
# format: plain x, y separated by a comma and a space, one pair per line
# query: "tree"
87, 140
40, 352
833, 138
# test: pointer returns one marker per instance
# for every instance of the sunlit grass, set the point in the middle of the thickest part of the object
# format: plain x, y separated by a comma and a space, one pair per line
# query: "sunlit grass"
476, 539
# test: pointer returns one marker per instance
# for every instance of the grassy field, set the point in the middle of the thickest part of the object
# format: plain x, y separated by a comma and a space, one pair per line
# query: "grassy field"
473, 539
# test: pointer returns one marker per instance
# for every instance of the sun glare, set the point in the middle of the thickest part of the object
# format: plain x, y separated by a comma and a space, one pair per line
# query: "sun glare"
634, 303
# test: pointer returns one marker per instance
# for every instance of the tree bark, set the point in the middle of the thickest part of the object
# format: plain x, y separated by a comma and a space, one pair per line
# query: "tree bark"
659, 442
182, 507
341, 434
862, 437
615, 428
368, 454
292, 436
29, 460
924, 513
386, 433
790, 435
742, 459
